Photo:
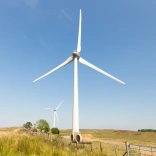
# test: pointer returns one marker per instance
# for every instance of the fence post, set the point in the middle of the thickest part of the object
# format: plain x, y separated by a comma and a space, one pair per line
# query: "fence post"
91, 147
100, 147
139, 150
115, 150
127, 148
151, 151
48, 137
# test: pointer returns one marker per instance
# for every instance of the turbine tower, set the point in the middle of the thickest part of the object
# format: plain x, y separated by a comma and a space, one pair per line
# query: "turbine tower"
75, 136
55, 114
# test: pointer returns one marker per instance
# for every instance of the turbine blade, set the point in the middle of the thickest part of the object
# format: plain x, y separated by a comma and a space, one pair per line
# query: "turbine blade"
57, 117
48, 108
99, 70
79, 34
58, 106
70, 59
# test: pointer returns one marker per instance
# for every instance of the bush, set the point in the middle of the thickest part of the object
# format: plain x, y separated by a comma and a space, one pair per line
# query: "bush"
34, 129
43, 125
55, 131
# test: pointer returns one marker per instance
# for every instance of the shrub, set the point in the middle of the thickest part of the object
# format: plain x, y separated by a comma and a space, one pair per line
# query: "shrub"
34, 129
55, 131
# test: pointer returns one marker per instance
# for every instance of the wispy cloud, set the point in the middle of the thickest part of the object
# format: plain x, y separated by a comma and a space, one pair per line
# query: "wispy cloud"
31, 3
66, 15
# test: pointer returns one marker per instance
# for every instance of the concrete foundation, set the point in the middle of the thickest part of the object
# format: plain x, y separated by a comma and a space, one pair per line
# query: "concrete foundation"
81, 138
76, 138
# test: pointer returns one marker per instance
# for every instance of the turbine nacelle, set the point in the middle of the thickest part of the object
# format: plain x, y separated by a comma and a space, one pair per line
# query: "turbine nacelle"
76, 54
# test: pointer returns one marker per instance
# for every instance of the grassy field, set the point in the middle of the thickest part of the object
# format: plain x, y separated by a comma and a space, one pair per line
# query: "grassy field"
14, 142
121, 136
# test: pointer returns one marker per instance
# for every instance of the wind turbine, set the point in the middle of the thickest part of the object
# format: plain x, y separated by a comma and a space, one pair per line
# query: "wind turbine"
75, 136
55, 113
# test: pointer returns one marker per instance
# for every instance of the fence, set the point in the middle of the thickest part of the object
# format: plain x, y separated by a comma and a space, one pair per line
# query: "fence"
140, 150
97, 146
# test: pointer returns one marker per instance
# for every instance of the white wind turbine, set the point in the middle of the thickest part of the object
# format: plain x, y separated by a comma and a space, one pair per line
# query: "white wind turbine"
75, 58
55, 113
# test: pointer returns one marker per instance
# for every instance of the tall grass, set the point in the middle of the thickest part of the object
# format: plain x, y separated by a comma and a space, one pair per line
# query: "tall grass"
22, 145
14, 142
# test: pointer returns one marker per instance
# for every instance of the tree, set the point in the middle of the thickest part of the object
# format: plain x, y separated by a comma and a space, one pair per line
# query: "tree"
43, 125
27, 125
55, 131
146, 130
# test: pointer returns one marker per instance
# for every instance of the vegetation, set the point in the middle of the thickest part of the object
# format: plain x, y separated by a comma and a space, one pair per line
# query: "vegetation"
27, 125
147, 130
17, 143
121, 136
55, 131
43, 125
34, 128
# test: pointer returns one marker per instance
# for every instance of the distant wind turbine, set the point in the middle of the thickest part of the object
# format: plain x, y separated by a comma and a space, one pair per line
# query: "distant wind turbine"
75, 136
55, 113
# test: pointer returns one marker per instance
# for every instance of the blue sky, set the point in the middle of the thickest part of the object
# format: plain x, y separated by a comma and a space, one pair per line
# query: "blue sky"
118, 36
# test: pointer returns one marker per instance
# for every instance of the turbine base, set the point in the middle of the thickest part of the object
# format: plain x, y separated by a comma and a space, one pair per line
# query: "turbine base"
81, 138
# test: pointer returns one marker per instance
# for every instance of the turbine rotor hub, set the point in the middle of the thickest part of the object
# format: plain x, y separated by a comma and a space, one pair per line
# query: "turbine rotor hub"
76, 54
